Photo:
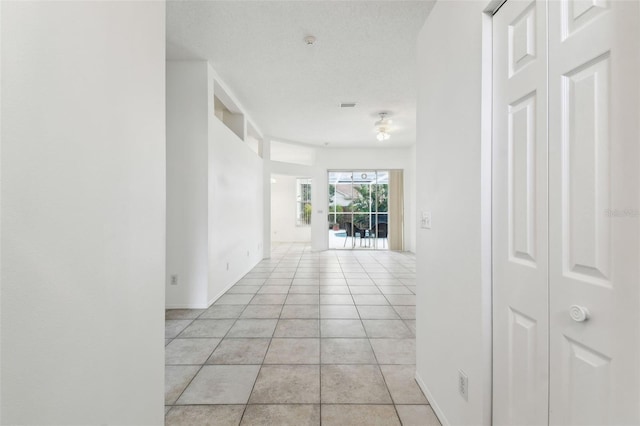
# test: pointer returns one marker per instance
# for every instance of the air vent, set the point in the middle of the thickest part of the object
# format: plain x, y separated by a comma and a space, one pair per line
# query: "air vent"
347, 105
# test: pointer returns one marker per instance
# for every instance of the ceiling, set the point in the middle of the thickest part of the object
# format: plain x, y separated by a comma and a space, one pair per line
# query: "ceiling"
365, 52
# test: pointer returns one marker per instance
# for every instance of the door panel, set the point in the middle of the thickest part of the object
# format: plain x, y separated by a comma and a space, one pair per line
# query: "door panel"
523, 342
520, 304
521, 179
587, 380
593, 211
586, 172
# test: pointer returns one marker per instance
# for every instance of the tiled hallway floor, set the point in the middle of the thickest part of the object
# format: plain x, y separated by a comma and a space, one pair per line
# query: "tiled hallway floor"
303, 339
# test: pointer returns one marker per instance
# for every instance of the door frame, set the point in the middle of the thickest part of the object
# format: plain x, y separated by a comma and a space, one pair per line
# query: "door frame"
486, 203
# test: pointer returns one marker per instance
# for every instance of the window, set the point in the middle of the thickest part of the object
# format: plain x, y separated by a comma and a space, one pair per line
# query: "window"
303, 201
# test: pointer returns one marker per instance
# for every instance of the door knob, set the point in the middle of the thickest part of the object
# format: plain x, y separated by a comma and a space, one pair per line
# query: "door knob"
579, 313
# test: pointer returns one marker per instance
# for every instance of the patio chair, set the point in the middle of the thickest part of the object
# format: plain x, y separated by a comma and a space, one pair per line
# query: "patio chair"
382, 230
353, 232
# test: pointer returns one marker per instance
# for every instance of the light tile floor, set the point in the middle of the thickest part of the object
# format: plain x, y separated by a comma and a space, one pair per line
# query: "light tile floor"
303, 339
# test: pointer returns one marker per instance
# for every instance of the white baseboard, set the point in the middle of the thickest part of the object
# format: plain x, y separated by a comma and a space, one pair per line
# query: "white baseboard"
186, 306
209, 303
220, 294
213, 300
434, 405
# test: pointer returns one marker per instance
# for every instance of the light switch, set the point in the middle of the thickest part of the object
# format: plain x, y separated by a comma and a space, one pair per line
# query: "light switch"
425, 220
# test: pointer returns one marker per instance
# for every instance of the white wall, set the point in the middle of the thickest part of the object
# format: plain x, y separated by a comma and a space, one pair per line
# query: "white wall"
287, 152
235, 207
283, 211
1, 133
266, 197
344, 159
83, 212
187, 183
453, 313
360, 159
410, 218
215, 192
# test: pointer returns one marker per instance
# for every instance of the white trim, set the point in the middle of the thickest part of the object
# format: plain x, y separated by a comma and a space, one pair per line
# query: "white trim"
432, 401
165, 213
493, 6
213, 299
219, 295
267, 170
186, 306
486, 204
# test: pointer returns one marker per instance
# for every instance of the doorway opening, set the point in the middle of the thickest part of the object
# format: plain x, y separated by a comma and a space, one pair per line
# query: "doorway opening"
290, 209
358, 209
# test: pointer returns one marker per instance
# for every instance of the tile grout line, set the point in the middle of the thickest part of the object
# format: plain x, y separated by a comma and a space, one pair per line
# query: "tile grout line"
226, 334
304, 260
319, 360
264, 357
384, 379
205, 362
265, 354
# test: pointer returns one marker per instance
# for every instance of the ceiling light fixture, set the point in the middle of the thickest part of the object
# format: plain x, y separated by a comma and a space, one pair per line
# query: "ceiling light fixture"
382, 127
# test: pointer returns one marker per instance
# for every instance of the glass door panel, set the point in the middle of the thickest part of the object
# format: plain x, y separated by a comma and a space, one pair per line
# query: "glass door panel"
358, 208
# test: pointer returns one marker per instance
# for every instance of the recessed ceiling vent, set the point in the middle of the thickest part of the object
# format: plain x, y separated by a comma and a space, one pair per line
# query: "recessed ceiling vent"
347, 105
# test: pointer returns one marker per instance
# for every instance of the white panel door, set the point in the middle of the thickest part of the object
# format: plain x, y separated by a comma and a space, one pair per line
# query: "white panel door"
520, 232
594, 162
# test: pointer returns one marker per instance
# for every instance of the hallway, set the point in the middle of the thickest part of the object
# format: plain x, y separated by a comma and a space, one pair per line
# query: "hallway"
303, 339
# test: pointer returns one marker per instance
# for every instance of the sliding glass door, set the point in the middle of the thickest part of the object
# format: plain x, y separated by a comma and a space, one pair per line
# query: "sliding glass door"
358, 209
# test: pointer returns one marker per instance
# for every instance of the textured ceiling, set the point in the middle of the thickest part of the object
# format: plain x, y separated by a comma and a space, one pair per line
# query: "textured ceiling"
365, 52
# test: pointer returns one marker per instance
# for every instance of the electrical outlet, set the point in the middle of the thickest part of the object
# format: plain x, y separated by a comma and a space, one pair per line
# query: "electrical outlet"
227, 266
463, 385
247, 253
174, 280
